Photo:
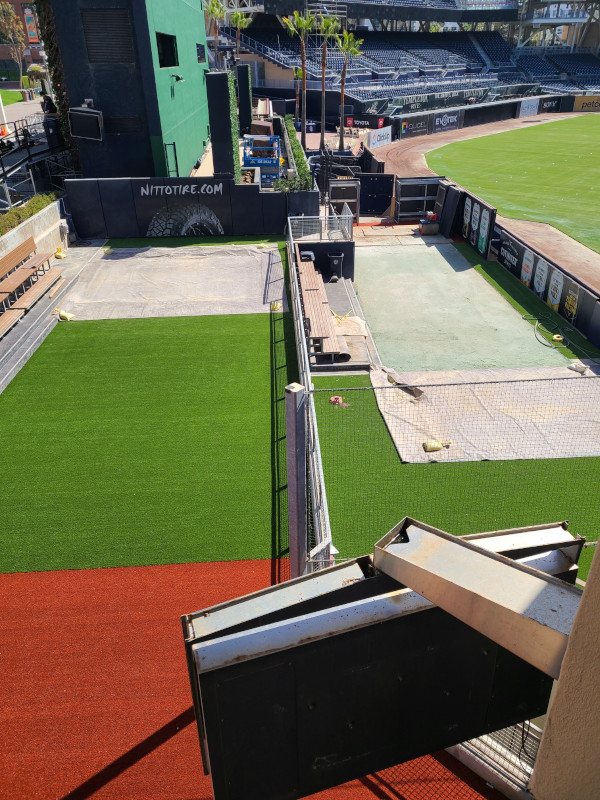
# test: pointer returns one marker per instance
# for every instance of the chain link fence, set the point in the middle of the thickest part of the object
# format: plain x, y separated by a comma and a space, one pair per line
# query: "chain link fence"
464, 457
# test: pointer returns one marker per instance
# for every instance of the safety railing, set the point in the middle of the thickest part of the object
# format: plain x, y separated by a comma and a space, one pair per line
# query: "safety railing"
322, 228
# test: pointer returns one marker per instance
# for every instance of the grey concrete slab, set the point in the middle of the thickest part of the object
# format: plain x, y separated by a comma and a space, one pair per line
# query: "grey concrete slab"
182, 281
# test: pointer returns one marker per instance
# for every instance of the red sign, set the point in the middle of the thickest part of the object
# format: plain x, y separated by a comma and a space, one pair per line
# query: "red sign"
349, 122
380, 122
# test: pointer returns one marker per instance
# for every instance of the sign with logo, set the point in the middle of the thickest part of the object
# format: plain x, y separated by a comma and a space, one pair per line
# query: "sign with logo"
365, 121
379, 138
555, 289
589, 103
484, 232
446, 121
540, 278
529, 107
527, 267
571, 302
475, 216
33, 36
466, 218
510, 254
549, 106
414, 126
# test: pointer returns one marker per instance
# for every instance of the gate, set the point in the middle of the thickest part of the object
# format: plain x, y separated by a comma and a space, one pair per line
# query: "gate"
376, 192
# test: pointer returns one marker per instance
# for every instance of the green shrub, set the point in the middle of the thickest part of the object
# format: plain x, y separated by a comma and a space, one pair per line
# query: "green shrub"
235, 127
15, 216
303, 178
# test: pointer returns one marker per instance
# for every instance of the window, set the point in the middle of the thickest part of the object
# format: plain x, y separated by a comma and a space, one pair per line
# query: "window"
167, 50
201, 53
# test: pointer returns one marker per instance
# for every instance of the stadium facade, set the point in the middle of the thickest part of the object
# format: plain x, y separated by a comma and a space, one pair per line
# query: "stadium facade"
142, 63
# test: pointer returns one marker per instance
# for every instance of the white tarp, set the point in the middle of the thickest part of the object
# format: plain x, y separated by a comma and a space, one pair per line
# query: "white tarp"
178, 281
494, 415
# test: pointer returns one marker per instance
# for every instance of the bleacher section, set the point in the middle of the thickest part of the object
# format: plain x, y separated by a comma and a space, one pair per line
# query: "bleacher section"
497, 50
577, 65
401, 64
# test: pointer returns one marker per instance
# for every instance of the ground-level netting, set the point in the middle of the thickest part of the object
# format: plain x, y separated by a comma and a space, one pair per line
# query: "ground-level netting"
465, 457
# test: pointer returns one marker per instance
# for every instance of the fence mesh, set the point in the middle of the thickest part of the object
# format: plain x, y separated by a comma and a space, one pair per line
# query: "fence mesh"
501, 454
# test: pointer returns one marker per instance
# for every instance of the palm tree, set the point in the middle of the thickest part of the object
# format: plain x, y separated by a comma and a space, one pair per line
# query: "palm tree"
297, 79
350, 48
215, 11
328, 27
239, 20
301, 26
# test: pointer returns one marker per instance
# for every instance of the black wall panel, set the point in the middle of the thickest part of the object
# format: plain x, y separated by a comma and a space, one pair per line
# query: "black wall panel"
86, 207
116, 195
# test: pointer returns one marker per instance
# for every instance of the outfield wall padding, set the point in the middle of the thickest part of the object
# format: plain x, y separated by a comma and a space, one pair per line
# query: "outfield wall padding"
140, 207
565, 293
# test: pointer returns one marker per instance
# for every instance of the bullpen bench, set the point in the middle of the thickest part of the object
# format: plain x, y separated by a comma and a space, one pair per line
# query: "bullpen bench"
321, 335
37, 289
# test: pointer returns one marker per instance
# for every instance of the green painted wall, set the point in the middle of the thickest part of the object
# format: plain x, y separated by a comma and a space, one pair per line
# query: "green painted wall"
182, 105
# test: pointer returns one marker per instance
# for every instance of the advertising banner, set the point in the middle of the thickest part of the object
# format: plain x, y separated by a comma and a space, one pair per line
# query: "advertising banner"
379, 138
414, 126
590, 102
529, 107
446, 121
549, 105
365, 121
510, 253
478, 223
33, 36
546, 280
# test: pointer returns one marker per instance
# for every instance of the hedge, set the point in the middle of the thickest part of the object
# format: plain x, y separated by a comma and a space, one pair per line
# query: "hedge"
15, 216
303, 175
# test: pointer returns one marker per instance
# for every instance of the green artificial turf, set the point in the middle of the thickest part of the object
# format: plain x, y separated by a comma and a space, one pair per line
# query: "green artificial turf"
186, 241
575, 345
147, 441
369, 490
546, 173
9, 97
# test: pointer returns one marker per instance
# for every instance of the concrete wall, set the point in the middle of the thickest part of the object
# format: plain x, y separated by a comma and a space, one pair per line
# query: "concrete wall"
45, 229
567, 765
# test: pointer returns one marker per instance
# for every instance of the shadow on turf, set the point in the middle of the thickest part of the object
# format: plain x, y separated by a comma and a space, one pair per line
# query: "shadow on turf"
284, 370
131, 757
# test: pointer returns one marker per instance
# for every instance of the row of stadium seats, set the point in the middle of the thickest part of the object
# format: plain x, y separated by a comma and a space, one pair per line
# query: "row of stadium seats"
396, 63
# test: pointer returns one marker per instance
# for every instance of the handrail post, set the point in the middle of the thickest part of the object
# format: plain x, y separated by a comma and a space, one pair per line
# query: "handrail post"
295, 423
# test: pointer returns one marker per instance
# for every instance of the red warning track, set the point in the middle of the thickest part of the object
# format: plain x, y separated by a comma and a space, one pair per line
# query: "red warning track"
95, 694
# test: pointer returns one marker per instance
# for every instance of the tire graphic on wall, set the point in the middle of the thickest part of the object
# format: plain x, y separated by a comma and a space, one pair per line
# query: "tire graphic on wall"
188, 220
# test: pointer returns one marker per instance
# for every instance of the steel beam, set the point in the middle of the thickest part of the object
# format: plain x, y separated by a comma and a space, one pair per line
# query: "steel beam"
520, 608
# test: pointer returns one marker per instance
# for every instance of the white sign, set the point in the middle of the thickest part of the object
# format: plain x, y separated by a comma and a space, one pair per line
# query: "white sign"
379, 138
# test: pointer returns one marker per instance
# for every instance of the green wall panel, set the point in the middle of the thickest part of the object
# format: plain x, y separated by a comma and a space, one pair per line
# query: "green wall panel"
183, 108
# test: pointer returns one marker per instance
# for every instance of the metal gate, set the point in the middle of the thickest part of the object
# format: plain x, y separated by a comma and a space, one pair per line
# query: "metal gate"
376, 192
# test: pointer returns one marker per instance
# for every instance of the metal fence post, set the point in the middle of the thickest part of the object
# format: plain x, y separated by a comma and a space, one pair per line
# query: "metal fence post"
295, 425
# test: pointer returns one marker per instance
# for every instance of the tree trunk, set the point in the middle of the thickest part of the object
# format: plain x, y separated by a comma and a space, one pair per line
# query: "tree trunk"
323, 68
342, 93
303, 62
297, 99
237, 42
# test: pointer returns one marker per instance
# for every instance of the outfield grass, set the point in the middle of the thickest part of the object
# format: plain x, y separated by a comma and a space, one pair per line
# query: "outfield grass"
546, 173
369, 490
147, 441
9, 97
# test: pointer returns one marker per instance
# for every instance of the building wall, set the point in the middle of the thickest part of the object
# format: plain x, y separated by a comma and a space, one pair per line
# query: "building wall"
182, 105
116, 87
25, 12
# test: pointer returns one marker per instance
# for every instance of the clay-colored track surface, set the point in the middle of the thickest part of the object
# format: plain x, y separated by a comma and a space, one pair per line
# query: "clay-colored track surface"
95, 696
406, 158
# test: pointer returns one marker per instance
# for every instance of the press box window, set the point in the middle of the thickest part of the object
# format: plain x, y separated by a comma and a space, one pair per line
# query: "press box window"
167, 50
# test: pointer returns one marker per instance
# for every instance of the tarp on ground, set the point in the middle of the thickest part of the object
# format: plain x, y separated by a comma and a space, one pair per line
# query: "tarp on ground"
492, 415
178, 281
